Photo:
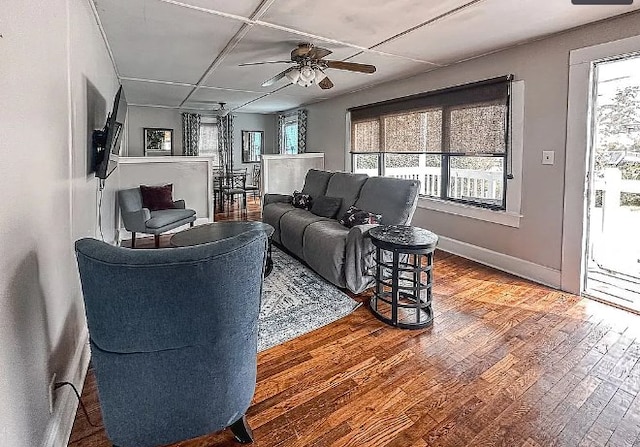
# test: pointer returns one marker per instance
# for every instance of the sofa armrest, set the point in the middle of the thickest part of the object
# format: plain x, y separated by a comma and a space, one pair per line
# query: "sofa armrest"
135, 220
360, 258
274, 198
179, 204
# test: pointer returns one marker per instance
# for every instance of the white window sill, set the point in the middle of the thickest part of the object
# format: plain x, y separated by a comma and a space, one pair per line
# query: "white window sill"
507, 218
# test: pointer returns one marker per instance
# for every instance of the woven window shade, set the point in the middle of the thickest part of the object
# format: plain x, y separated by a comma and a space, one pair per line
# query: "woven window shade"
366, 136
413, 132
464, 119
478, 129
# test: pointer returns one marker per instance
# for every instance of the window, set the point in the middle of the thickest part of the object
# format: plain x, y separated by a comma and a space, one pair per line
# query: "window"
208, 142
292, 132
290, 136
453, 140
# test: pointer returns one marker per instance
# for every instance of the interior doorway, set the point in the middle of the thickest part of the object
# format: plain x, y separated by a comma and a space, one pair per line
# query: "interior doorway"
612, 238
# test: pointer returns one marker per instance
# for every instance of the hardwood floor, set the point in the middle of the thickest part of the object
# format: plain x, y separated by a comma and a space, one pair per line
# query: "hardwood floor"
506, 363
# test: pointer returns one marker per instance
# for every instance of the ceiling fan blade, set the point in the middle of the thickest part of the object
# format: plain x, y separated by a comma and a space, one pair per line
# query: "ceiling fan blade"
325, 84
318, 53
350, 66
265, 62
276, 78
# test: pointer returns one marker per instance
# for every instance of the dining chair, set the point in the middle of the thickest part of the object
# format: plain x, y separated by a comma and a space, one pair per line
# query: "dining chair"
237, 181
254, 185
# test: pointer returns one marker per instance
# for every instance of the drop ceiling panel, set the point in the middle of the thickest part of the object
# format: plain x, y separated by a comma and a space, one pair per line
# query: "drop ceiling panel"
242, 8
275, 102
207, 98
356, 21
161, 41
147, 93
387, 68
494, 24
262, 44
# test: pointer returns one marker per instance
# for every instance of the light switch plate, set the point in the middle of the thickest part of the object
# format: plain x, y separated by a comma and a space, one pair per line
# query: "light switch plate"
548, 157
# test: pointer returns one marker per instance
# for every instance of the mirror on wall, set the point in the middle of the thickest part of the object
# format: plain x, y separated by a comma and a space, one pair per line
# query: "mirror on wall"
157, 141
252, 145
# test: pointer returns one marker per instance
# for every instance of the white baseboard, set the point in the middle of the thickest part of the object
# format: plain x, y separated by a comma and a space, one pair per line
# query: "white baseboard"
66, 403
510, 264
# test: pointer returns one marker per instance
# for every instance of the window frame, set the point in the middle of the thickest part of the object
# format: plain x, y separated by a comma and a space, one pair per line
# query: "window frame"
510, 217
444, 154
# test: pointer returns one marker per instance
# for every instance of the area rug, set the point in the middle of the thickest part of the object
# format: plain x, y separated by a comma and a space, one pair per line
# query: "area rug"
296, 300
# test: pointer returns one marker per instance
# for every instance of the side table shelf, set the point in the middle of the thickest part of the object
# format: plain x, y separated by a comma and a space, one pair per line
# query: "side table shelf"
404, 275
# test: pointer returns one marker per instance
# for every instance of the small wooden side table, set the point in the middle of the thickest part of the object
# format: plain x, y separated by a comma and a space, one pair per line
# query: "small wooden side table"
404, 276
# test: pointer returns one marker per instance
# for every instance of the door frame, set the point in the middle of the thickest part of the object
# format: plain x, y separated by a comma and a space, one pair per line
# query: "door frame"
581, 86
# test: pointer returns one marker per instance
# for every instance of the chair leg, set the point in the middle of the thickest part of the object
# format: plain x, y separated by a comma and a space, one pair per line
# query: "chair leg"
191, 224
244, 203
157, 238
133, 239
242, 431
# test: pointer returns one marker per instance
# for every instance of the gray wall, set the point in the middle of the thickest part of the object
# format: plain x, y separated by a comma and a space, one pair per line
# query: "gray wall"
544, 67
253, 121
55, 89
141, 117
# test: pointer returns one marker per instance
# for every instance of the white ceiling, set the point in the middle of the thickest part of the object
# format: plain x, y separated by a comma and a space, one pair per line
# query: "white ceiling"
185, 54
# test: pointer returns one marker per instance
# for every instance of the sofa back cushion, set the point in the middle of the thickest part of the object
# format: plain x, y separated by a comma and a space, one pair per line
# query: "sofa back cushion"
315, 183
346, 186
394, 198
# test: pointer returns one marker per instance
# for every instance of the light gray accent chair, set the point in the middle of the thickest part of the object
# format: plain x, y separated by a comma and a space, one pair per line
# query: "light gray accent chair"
138, 219
343, 256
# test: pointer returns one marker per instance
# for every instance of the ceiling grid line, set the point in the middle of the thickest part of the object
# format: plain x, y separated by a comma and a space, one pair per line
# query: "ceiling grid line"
96, 16
244, 29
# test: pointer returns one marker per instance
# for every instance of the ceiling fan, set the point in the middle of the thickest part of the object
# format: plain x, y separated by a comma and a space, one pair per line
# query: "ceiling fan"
310, 66
213, 107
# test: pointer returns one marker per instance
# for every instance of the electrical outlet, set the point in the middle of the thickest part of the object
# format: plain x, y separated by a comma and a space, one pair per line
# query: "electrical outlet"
52, 390
548, 157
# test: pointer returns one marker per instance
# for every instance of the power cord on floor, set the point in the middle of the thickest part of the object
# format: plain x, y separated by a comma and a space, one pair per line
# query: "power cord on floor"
84, 409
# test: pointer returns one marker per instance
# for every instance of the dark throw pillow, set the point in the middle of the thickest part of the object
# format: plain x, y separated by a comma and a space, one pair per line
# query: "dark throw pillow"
355, 216
301, 200
157, 197
324, 206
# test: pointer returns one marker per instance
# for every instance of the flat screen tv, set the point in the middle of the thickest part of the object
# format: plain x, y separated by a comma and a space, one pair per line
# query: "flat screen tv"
107, 140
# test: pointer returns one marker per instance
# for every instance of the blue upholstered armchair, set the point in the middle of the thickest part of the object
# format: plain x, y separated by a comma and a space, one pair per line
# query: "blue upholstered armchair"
137, 219
173, 336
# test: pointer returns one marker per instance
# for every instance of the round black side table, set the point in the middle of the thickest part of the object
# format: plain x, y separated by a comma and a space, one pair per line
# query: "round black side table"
404, 276
221, 230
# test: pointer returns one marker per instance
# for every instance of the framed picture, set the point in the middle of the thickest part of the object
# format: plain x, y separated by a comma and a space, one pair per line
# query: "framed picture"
252, 145
157, 141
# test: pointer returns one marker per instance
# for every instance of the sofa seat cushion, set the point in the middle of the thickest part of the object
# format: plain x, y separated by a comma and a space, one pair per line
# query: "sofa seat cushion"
324, 250
394, 198
292, 228
272, 213
162, 218
346, 186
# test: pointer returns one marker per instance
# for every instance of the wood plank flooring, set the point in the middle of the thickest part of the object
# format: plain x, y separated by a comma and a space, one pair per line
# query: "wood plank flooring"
506, 363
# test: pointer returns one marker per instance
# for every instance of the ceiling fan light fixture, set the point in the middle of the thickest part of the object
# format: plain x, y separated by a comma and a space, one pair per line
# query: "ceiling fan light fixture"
307, 74
293, 75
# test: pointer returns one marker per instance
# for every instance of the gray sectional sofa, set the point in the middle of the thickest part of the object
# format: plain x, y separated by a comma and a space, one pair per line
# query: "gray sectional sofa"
344, 256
